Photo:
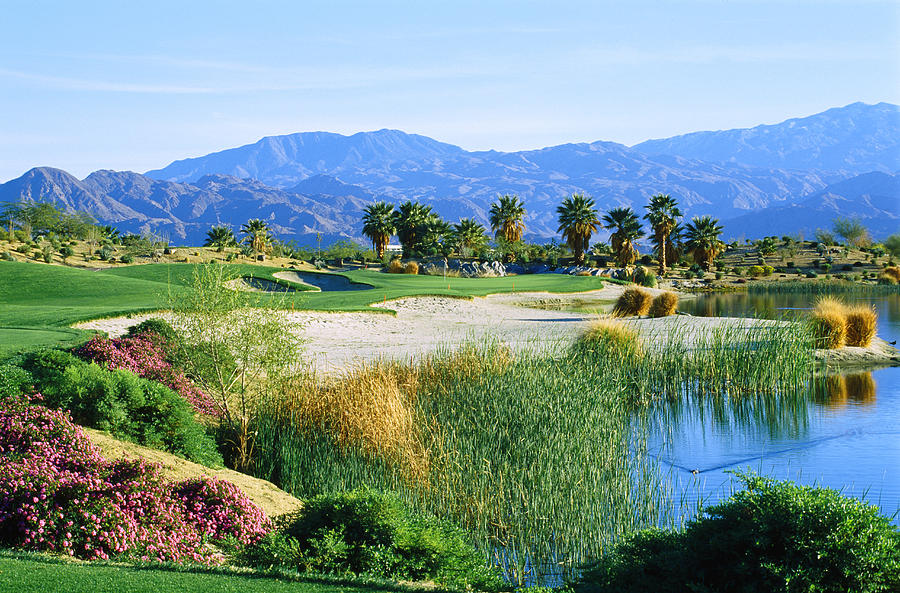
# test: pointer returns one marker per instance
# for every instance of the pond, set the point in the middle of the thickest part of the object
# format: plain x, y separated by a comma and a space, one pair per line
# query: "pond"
844, 434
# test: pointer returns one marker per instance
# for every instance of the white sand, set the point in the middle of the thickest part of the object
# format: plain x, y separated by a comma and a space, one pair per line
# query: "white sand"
336, 341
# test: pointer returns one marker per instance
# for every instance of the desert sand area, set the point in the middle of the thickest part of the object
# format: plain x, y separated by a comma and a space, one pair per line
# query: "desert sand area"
337, 341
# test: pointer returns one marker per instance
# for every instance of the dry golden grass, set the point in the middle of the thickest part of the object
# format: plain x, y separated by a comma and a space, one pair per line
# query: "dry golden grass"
605, 331
583, 273
861, 325
395, 267
861, 387
663, 305
890, 275
633, 301
411, 268
832, 391
364, 410
829, 323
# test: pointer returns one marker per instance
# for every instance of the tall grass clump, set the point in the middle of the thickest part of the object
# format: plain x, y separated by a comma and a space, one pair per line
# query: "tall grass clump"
633, 301
890, 275
611, 339
828, 321
663, 305
861, 325
529, 453
395, 267
411, 268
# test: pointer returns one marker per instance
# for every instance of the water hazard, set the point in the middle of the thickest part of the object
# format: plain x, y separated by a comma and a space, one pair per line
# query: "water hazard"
844, 434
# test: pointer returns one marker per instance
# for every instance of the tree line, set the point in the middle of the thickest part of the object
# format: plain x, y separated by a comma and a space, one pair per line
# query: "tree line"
422, 232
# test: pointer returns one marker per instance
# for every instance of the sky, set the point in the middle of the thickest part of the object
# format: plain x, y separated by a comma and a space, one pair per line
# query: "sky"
135, 85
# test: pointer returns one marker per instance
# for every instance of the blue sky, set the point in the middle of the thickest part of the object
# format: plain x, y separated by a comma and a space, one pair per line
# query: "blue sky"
127, 85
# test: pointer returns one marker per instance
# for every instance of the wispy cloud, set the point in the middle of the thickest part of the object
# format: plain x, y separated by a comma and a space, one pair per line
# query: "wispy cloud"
704, 54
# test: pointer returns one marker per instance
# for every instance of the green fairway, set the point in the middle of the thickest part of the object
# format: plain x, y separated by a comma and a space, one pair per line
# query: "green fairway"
32, 573
38, 303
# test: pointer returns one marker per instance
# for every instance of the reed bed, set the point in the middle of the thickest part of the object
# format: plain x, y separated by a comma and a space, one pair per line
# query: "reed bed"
633, 301
663, 305
535, 453
823, 287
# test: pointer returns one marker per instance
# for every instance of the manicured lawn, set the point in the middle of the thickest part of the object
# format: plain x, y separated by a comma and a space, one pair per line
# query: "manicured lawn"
38, 303
25, 573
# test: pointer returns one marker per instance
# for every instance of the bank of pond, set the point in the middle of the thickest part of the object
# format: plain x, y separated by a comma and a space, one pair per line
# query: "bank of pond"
582, 463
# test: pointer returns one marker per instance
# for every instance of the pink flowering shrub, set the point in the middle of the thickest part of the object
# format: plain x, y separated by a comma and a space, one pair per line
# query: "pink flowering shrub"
144, 355
58, 494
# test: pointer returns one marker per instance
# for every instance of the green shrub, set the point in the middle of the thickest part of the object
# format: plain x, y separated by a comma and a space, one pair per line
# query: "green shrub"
13, 380
755, 271
119, 402
155, 325
7, 256
767, 270
772, 536
127, 259
366, 532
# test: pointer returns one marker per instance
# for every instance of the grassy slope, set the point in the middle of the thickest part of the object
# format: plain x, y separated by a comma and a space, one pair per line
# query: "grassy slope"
38, 302
33, 573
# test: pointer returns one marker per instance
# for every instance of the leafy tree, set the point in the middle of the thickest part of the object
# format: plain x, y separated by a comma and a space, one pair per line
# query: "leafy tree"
577, 222
663, 215
378, 225
221, 237
436, 236
703, 241
410, 220
627, 230
257, 235
507, 218
469, 236
824, 237
892, 245
852, 231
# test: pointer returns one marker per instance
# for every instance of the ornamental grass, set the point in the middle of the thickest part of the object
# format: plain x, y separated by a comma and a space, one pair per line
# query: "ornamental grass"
664, 305
633, 301
829, 324
395, 267
411, 268
861, 325
890, 275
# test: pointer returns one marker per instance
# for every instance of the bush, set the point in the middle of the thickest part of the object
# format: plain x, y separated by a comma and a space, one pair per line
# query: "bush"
755, 271
411, 268
154, 325
127, 259
664, 305
7, 256
123, 404
395, 267
889, 275
811, 274
829, 324
767, 270
632, 301
105, 253
14, 380
367, 532
644, 277
61, 496
861, 326
772, 536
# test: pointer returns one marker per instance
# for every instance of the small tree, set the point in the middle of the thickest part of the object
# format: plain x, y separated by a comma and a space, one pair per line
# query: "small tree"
892, 245
852, 231
238, 346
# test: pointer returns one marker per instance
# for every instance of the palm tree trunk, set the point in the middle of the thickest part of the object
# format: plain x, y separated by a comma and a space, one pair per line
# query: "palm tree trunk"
661, 243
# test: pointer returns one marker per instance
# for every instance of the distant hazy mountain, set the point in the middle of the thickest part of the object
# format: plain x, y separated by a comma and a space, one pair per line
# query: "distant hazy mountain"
319, 182
183, 212
854, 139
874, 198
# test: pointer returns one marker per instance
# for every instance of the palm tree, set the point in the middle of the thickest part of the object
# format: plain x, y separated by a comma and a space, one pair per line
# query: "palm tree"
221, 237
256, 235
674, 245
663, 215
507, 218
577, 222
435, 233
379, 225
627, 230
468, 235
409, 221
703, 241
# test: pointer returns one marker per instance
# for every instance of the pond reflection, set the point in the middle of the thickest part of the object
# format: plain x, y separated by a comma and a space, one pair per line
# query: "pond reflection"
837, 391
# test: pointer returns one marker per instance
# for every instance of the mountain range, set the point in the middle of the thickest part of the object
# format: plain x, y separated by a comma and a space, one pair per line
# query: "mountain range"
798, 174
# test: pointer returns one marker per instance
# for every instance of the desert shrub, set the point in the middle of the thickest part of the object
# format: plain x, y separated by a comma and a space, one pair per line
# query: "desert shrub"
395, 267
648, 279
767, 270
861, 325
829, 324
719, 275
826, 267
123, 404
632, 301
663, 305
127, 259
14, 380
889, 275
811, 275
105, 253
771, 536
155, 325
7, 256
61, 496
365, 532
755, 271
411, 268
